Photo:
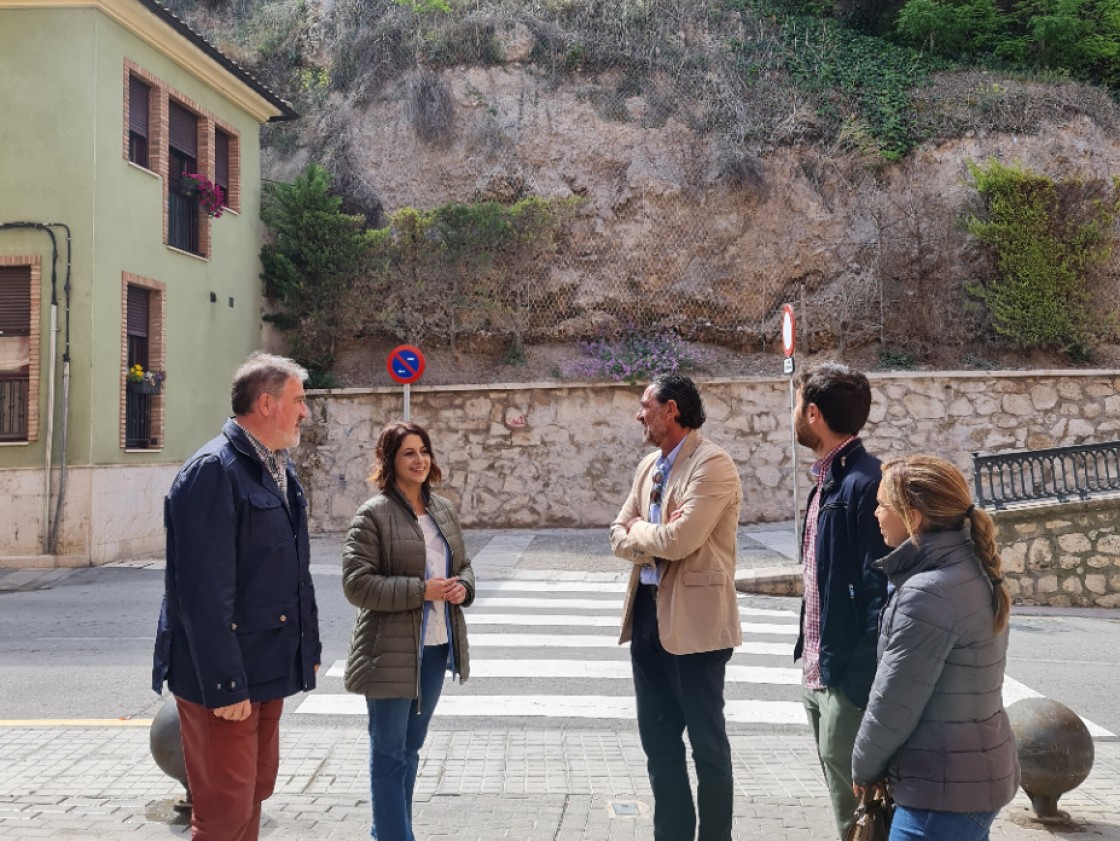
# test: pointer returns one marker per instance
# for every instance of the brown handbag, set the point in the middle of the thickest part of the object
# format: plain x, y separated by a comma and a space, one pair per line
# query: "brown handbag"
873, 816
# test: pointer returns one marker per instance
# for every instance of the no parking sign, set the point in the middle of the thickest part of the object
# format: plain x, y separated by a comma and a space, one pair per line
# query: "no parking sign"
406, 364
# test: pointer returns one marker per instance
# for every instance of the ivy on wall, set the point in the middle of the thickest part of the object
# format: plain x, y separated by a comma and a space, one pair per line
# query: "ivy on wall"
1048, 240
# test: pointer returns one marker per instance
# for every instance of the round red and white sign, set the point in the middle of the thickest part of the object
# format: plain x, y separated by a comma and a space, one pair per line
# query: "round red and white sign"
405, 364
789, 332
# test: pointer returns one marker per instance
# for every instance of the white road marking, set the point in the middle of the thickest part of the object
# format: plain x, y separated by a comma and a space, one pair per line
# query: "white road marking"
564, 620
604, 706
764, 649
537, 585
593, 604
1014, 691
556, 706
600, 670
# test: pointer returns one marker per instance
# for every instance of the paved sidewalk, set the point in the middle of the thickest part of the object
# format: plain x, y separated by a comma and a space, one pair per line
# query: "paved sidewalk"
541, 785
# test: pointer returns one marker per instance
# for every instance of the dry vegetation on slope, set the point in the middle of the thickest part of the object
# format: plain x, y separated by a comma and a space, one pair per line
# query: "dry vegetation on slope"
725, 160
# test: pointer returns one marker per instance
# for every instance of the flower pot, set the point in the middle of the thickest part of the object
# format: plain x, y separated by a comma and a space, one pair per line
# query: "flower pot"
144, 387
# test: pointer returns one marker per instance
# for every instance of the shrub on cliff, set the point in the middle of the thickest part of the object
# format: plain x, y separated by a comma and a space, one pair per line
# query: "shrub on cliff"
460, 268
311, 266
1049, 242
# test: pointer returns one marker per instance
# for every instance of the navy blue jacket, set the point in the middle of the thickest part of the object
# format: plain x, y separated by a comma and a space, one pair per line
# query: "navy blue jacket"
239, 618
852, 591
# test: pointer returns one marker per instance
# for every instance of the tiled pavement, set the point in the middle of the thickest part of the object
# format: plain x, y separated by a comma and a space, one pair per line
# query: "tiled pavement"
534, 785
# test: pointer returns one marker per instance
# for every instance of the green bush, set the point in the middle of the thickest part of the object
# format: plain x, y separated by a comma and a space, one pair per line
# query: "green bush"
951, 29
422, 7
1077, 37
316, 254
437, 274
1047, 241
895, 360
858, 75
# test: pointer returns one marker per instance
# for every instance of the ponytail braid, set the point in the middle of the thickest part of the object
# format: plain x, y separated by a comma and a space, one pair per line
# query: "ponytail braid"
984, 539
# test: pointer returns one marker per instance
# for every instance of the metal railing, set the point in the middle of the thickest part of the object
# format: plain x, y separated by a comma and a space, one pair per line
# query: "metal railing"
1059, 473
13, 409
182, 222
137, 419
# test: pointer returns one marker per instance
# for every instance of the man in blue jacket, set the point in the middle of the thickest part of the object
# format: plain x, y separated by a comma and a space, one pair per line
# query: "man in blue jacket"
843, 593
238, 629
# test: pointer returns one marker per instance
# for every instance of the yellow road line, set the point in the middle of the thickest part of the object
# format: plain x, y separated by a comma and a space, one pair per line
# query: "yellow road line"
76, 722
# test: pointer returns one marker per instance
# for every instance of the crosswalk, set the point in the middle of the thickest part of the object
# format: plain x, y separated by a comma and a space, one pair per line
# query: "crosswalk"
548, 650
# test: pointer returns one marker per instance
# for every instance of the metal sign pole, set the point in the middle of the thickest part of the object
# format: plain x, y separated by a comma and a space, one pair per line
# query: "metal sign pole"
406, 365
796, 469
789, 344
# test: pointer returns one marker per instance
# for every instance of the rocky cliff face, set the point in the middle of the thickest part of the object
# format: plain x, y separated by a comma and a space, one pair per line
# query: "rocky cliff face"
682, 226
663, 227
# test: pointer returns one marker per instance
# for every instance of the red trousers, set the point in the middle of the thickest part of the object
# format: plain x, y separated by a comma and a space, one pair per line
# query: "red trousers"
231, 768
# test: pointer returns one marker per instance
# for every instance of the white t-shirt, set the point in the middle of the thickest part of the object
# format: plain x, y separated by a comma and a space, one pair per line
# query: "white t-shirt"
436, 631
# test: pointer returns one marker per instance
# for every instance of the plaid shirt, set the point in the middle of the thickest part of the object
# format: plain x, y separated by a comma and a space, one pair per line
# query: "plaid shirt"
275, 463
811, 652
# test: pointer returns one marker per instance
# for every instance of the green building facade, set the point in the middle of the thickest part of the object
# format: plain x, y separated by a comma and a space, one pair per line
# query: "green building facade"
108, 104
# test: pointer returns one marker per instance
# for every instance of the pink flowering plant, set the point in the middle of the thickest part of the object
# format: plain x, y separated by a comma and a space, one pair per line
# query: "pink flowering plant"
210, 195
634, 356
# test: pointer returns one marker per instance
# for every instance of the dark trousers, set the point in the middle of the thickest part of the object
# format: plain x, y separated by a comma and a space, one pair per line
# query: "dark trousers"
675, 691
231, 768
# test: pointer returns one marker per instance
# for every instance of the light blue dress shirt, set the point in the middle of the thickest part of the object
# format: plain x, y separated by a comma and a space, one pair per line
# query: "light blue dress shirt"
652, 575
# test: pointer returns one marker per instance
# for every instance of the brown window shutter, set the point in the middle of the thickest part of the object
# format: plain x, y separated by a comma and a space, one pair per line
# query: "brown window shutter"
138, 303
137, 107
15, 300
221, 159
183, 130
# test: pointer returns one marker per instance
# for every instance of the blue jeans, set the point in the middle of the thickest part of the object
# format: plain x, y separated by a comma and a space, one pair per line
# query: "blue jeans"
923, 825
396, 734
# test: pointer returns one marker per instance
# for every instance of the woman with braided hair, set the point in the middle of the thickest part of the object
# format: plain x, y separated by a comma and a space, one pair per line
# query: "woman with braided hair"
935, 731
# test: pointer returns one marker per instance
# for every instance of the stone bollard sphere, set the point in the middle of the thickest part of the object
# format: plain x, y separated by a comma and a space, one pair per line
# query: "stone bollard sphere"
1055, 751
166, 746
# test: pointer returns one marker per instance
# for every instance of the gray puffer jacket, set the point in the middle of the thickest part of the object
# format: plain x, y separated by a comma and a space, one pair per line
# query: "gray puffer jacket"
383, 569
935, 726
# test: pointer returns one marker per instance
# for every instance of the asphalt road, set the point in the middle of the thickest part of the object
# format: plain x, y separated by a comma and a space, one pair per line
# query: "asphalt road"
81, 648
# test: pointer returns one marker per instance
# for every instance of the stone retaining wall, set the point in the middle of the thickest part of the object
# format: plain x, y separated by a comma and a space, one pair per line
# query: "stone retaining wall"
547, 455
1062, 554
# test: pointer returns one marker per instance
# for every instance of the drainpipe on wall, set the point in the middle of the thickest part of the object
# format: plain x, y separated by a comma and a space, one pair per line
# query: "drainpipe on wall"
52, 542
50, 427
49, 437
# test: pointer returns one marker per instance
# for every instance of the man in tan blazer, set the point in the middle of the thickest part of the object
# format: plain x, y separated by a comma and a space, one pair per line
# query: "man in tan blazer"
678, 529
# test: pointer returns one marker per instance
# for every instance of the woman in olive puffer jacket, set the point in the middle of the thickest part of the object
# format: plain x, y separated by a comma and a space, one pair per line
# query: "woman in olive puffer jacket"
405, 568
935, 730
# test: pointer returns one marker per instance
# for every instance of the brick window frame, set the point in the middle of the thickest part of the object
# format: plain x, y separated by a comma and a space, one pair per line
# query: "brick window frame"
160, 95
233, 191
34, 263
156, 353
197, 230
157, 117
